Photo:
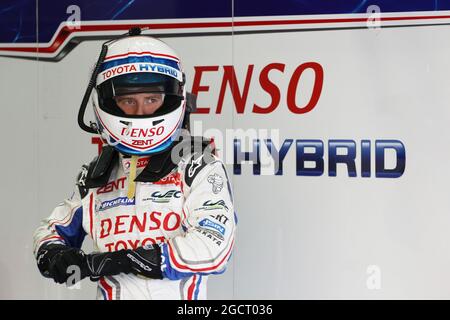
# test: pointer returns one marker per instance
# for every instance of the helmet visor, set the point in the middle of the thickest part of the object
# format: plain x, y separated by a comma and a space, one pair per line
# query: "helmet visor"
135, 83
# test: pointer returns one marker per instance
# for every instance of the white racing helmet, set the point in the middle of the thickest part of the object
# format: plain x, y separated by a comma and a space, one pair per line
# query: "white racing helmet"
139, 64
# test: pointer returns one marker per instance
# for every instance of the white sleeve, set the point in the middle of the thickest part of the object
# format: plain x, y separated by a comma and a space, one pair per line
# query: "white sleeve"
64, 225
209, 222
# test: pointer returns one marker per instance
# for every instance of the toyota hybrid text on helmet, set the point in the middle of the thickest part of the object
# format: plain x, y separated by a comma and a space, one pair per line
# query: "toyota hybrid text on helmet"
138, 64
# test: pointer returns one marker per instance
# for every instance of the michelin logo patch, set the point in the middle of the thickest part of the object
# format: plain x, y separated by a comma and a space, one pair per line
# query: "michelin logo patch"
121, 201
206, 223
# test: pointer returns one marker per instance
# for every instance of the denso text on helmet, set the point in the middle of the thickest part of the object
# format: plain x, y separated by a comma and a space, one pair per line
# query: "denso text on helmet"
142, 133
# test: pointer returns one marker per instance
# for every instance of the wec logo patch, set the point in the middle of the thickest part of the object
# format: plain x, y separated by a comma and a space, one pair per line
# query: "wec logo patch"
158, 197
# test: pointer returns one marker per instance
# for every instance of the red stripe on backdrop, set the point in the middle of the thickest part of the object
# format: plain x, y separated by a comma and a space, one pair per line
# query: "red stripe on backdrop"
336, 20
66, 31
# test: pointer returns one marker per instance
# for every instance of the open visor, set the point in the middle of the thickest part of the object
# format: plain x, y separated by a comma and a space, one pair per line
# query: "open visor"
141, 82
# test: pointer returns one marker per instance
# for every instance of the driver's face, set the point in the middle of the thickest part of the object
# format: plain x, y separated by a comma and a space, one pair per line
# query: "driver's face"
138, 104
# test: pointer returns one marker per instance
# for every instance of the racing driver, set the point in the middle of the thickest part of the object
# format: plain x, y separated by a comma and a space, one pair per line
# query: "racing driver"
158, 208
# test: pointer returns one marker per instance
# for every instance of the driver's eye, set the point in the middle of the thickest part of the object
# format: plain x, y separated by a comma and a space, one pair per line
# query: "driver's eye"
125, 101
151, 100
128, 101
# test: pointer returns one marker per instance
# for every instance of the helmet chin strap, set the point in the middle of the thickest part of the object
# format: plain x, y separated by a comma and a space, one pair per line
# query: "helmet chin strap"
131, 177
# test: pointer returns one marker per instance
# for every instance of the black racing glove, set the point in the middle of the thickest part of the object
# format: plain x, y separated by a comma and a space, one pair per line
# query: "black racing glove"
53, 261
144, 261
107, 264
